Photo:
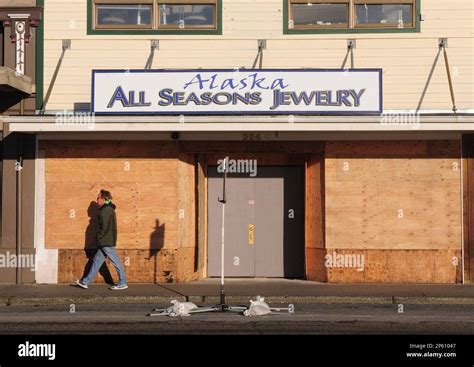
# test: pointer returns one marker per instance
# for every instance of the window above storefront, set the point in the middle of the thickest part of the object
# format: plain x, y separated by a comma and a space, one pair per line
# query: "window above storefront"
351, 16
154, 16
133, 16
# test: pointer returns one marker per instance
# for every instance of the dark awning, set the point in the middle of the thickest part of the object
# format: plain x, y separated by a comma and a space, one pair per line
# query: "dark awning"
13, 88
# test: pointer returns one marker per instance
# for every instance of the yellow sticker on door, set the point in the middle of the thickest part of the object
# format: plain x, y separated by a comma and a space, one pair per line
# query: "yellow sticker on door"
251, 234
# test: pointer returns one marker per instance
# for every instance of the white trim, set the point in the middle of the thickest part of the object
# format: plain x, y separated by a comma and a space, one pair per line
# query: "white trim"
389, 122
239, 127
411, 112
20, 46
18, 16
46, 259
431, 112
221, 121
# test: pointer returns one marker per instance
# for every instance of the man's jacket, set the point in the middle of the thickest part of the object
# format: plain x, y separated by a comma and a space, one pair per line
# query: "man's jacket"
107, 226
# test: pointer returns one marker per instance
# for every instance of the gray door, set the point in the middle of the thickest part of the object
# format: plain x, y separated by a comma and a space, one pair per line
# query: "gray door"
263, 223
239, 255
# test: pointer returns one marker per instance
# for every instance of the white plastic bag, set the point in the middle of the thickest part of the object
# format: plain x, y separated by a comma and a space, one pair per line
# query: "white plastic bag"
258, 308
180, 308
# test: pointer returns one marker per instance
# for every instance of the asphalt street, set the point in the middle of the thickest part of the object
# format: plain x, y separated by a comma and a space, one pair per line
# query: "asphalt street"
309, 318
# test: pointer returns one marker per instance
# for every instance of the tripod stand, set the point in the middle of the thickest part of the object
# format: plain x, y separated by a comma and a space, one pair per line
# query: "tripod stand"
222, 306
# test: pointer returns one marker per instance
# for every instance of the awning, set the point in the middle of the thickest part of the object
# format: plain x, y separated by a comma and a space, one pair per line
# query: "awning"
341, 124
13, 88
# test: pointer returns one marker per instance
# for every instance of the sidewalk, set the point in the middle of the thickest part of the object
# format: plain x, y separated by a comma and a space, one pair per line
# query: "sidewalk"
240, 290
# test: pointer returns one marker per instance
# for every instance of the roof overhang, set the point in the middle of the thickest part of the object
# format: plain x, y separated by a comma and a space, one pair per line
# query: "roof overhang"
343, 124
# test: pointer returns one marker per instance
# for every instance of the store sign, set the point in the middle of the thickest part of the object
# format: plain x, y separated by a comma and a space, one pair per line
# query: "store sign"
247, 92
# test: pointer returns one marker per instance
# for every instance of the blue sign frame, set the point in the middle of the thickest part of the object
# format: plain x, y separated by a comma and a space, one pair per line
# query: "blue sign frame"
243, 113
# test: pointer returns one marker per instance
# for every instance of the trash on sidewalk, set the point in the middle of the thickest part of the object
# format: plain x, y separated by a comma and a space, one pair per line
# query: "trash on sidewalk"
178, 309
257, 308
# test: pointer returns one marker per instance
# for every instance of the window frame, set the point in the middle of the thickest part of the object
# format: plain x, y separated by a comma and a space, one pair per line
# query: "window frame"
352, 27
118, 26
412, 3
316, 26
189, 2
94, 29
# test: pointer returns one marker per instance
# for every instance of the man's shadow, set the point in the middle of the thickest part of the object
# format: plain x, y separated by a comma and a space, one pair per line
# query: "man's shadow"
157, 241
90, 247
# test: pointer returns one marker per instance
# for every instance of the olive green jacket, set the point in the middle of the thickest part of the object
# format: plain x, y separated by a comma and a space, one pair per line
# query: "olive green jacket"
107, 226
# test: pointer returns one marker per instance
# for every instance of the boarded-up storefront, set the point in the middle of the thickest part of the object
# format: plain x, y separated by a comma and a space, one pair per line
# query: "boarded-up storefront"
155, 209
373, 211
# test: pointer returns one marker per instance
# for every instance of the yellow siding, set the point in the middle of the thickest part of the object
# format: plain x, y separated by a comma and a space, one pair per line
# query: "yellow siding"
406, 58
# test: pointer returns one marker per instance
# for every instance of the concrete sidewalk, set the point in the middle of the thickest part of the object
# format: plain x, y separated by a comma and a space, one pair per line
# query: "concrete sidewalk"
240, 290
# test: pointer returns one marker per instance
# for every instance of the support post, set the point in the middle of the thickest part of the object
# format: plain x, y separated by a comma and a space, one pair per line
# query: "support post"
66, 45
262, 45
443, 43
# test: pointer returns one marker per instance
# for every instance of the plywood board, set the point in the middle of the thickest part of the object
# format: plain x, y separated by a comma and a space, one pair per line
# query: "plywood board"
392, 266
143, 183
376, 199
314, 205
141, 266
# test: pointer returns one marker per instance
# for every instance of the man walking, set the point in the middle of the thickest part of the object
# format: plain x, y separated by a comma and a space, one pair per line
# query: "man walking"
106, 242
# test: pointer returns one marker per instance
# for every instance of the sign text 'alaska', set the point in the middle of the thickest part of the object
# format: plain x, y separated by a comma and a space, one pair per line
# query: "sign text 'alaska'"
308, 91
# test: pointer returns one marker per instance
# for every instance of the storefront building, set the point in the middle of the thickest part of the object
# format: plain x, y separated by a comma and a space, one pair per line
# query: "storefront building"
348, 126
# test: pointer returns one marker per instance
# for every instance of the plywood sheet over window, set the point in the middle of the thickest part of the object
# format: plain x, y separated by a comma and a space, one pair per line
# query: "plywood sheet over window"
143, 179
393, 195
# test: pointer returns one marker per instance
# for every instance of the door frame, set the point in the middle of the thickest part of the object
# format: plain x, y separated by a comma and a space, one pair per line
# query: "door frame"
263, 159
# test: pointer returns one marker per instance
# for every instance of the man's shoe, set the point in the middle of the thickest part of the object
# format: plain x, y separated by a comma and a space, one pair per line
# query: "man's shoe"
80, 284
119, 287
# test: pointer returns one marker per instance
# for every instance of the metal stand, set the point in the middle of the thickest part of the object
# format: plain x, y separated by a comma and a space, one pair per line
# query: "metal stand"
222, 306
223, 201
218, 308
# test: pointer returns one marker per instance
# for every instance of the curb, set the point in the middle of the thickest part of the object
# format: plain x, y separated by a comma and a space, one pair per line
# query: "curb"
19, 301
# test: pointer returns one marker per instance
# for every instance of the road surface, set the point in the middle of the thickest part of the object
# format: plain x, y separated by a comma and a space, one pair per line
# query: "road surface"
309, 318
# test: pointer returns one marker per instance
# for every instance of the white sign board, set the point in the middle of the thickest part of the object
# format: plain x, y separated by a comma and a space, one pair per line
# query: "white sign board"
247, 92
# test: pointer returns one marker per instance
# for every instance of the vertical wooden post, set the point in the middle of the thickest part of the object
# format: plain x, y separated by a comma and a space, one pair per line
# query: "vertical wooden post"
315, 243
202, 215
187, 218
468, 218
